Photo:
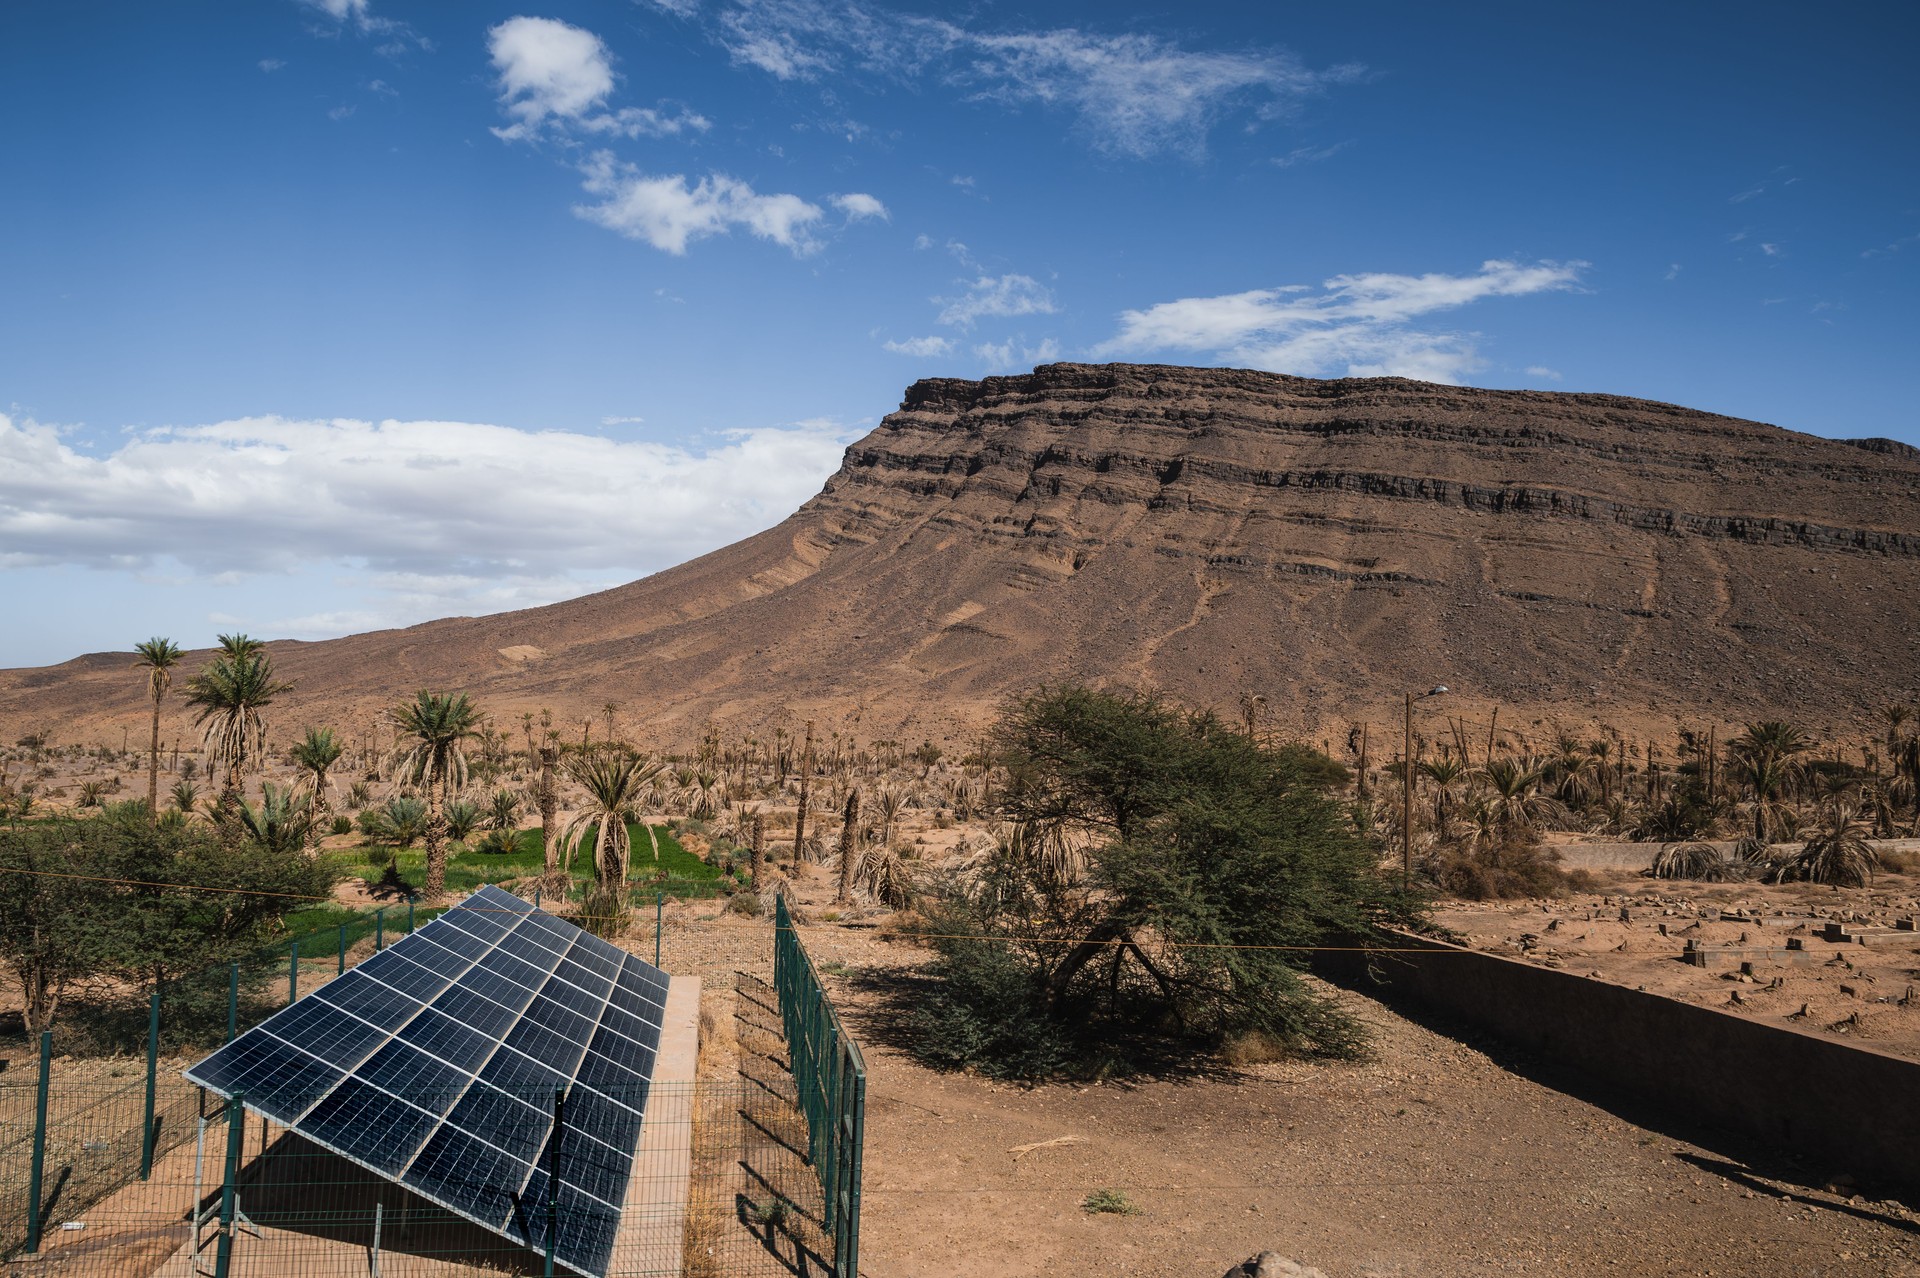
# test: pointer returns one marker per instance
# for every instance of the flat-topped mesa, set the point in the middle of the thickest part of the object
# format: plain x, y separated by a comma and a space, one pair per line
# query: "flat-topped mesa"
1328, 544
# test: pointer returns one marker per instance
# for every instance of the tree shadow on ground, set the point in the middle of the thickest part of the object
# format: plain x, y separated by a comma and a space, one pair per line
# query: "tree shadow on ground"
1121, 1056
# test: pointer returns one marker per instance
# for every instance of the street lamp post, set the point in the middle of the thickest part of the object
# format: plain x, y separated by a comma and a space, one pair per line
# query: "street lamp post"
1406, 788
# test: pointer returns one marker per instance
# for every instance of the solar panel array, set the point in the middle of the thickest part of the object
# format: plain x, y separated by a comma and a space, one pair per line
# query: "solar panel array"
435, 1063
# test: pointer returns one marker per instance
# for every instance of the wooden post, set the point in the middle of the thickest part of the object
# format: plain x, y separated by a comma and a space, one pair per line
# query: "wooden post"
1406, 802
758, 861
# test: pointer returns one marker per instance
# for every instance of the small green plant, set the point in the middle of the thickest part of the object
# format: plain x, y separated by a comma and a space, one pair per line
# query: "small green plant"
1109, 1202
342, 824
746, 903
771, 1214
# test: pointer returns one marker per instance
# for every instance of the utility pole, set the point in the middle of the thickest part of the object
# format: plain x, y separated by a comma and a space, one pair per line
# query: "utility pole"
1406, 802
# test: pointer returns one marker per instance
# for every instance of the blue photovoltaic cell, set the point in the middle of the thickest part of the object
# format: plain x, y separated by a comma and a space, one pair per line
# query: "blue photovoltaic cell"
369, 1000
365, 1123
436, 1063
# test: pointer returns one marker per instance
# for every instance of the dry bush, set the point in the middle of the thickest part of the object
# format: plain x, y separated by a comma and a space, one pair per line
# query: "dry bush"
1486, 870
1253, 1048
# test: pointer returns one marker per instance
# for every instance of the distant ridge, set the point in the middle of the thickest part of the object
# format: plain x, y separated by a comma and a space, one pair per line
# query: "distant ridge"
1326, 544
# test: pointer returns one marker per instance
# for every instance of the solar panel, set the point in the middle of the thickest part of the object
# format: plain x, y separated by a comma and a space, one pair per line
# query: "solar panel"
435, 1064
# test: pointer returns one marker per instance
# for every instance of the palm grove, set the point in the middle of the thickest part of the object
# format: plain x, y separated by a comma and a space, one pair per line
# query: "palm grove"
1133, 878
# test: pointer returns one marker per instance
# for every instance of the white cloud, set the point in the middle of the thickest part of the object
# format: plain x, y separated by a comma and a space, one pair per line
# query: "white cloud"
1543, 372
1673, 271
271, 64
419, 499
921, 347
553, 74
1771, 250
857, 205
1001, 295
621, 421
1359, 325
547, 69
340, 112
669, 213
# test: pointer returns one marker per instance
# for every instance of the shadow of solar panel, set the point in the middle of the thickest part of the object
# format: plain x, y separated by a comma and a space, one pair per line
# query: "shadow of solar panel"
437, 1061
587, 1226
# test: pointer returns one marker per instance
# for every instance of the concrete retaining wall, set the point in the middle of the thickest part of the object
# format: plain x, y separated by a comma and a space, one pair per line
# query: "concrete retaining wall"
1837, 1107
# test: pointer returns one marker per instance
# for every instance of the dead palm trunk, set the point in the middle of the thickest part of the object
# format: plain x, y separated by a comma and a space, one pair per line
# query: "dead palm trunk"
758, 861
548, 798
806, 789
849, 837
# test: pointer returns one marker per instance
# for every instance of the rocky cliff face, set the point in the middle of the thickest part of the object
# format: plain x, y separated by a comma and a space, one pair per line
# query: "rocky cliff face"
1325, 544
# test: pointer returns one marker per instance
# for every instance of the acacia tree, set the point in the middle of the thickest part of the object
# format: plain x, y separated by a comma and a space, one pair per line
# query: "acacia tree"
157, 657
1195, 852
231, 691
434, 729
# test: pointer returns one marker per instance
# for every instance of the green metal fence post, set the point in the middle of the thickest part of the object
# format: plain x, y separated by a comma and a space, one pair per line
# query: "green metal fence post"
343, 949
293, 972
379, 930
38, 1174
233, 1000
409, 918
236, 1129
659, 909
153, 1069
536, 898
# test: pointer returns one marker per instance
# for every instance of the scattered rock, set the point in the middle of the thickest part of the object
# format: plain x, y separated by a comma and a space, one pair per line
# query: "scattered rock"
1271, 1264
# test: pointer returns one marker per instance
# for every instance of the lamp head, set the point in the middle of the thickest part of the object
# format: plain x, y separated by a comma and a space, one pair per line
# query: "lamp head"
1436, 690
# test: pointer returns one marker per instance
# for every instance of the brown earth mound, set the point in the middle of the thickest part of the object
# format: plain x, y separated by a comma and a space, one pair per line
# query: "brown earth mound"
1213, 532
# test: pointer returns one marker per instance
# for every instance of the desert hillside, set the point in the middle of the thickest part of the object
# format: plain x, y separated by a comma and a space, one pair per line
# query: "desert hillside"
1572, 559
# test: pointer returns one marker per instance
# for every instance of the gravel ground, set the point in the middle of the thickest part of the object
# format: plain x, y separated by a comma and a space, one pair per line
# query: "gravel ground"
1431, 1159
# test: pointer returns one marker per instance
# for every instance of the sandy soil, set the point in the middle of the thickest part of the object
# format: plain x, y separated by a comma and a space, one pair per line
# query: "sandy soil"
1432, 1159
1863, 988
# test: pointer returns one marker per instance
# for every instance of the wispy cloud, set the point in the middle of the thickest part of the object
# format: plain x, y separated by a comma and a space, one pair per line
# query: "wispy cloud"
1673, 271
270, 65
1895, 246
357, 16
1543, 372
1002, 295
1360, 325
921, 347
1130, 95
1001, 357
1309, 155
416, 499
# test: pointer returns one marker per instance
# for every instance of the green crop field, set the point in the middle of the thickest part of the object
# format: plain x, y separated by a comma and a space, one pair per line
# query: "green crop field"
468, 869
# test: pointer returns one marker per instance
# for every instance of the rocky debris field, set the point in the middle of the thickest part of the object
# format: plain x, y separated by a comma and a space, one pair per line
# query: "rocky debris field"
1840, 961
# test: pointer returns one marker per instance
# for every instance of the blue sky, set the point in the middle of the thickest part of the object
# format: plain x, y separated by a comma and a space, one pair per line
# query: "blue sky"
322, 315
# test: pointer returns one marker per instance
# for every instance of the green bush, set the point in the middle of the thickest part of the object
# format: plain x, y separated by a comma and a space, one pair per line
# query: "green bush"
987, 1013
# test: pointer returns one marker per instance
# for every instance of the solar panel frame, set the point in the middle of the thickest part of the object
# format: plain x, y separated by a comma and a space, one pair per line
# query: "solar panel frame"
433, 1064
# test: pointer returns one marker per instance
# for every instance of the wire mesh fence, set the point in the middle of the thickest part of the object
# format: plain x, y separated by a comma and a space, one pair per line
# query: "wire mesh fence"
138, 1173
830, 1083
720, 1187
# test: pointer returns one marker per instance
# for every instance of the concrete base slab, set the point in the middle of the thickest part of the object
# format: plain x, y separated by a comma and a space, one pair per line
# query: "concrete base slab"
653, 1222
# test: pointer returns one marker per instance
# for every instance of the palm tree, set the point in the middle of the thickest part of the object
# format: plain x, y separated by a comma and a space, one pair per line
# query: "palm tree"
1445, 773
434, 728
185, 795
503, 811
281, 822
1515, 803
231, 691
314, 755
1836, 851
613, 784
1764, 757
157, 657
